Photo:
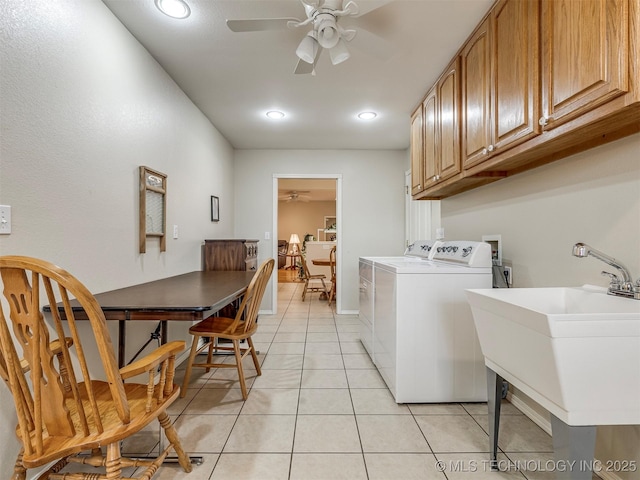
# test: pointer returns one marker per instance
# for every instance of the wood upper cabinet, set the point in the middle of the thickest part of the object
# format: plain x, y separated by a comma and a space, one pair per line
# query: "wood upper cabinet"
448, 95
500, 81
441, 118
585, 61
430, 140
476, 95
417, 174
440, 132
537, 81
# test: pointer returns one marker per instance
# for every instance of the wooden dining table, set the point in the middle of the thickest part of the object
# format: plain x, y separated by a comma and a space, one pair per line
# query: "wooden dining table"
188, 297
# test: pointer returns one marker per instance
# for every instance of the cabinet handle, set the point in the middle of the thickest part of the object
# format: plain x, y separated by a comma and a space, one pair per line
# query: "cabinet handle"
484, 151
543, 121
491, 148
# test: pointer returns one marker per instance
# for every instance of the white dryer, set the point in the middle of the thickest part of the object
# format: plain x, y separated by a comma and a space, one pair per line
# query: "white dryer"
425, 343
415, 252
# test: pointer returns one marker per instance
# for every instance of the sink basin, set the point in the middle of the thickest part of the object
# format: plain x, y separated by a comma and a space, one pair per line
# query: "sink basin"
575, 351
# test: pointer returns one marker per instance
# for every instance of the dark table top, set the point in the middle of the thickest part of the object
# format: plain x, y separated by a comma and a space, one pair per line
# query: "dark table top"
190, 292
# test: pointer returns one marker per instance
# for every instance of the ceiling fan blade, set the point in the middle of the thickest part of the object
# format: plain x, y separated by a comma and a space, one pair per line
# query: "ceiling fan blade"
369, 7
260, 24
303, 68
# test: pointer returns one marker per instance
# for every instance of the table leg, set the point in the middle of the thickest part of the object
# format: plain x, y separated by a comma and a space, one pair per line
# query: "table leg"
573, 449
122, 335
164, 334
494, 399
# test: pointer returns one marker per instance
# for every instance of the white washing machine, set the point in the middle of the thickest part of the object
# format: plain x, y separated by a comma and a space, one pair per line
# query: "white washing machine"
414, 252
424, 340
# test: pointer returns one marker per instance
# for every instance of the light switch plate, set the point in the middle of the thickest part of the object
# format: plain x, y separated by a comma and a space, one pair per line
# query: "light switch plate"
5, 219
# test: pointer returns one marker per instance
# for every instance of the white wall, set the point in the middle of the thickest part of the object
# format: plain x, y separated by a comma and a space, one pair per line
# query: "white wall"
372, 202
83, 105
592, 197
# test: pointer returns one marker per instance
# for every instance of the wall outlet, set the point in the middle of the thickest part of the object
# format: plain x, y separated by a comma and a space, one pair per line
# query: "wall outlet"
5, 219
439, 233
175, 231
267, 235
507, 274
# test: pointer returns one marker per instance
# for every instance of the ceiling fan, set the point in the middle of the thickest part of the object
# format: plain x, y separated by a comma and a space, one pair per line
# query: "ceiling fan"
326, 33
295, 196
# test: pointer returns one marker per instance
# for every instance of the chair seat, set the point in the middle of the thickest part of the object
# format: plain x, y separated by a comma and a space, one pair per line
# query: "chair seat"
114, 430
222, 326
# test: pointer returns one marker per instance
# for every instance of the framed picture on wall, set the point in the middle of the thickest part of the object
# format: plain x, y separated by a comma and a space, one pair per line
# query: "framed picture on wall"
215, 209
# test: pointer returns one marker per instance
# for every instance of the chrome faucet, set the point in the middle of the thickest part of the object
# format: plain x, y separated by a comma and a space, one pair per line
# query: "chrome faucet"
618, 286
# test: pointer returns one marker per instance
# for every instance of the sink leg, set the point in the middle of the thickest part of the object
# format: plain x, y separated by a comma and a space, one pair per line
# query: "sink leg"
494, 399
573, 449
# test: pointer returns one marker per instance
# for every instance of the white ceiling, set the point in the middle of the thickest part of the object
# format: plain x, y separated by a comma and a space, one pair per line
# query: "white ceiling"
234, 78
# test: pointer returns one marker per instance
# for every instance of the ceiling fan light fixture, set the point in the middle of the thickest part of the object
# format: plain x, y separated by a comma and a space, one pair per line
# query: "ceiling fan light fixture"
367, 115
307, 49
328, 35
174, 8
339, 53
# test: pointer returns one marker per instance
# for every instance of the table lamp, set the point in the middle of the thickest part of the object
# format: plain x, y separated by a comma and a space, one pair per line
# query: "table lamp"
294, 241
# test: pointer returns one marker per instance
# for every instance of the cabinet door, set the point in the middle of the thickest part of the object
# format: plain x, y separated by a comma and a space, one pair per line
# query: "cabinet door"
476, 87
516, 75
448, 94
585, 56
430, 143
417, 162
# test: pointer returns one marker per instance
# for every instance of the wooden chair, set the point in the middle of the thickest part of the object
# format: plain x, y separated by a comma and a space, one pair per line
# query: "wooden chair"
66, 412
312, 283
235, 329
332, 266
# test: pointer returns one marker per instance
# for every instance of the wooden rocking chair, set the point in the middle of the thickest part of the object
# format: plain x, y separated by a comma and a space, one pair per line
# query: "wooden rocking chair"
66, 413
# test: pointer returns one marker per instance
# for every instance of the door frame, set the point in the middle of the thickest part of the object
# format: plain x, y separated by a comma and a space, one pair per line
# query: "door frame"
319, 176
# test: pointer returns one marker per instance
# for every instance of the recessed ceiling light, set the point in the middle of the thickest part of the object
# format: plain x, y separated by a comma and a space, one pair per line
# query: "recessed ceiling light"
275, 114
367, 115
174, 8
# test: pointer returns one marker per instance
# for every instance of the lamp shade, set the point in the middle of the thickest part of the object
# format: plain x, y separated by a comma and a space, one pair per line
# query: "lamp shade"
339, 53
294, 239
307, 49
328, 34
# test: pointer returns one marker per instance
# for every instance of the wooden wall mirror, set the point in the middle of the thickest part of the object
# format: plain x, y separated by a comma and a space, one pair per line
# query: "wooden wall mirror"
153, 207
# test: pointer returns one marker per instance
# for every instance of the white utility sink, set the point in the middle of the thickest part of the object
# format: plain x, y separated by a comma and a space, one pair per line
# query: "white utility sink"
575, 351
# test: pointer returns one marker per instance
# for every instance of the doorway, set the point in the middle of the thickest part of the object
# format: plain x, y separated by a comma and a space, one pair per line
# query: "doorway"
309, 206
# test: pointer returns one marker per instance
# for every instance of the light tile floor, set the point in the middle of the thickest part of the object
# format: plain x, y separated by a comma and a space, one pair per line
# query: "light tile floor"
320, 410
